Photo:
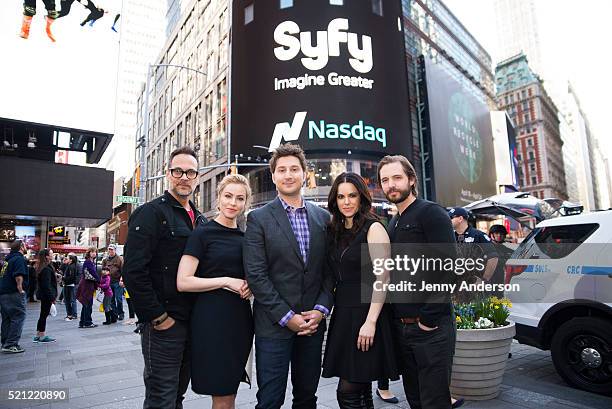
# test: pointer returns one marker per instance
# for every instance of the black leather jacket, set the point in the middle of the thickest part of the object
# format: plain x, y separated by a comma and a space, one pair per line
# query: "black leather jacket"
157, 235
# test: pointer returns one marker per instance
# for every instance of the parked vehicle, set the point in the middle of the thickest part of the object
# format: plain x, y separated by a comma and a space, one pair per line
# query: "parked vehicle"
564, 269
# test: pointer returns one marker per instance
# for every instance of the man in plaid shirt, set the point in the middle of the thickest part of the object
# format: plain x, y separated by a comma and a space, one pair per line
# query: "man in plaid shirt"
285, 258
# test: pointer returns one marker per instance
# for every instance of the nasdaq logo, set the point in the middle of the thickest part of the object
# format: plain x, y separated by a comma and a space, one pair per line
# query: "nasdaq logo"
287, 132
321, 129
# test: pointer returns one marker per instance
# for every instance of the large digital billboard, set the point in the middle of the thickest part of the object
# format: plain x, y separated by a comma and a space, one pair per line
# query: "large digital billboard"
59, 66
461, 140
328, 77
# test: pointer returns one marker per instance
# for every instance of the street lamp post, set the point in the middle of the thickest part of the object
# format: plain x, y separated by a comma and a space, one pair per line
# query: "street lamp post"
145, 138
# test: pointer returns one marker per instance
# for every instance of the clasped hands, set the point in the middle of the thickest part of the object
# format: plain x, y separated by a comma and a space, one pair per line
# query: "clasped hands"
305, 323
238, 286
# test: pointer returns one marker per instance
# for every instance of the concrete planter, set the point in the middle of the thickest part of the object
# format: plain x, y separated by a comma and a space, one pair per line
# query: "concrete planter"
480, 361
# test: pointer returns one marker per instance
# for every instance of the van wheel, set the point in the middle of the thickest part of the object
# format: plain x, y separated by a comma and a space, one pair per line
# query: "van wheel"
582, 353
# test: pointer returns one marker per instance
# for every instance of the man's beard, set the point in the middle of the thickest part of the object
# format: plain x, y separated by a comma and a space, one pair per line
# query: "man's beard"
176, 192
403, 195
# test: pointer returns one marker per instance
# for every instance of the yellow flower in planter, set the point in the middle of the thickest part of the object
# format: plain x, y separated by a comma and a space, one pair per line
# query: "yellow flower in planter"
458, 319
497, 307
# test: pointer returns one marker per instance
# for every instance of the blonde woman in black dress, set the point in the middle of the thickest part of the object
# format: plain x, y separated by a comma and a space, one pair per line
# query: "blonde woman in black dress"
359, 346
221, 320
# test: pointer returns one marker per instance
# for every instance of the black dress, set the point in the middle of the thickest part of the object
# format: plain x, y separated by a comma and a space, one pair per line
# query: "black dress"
221, 321
342, 358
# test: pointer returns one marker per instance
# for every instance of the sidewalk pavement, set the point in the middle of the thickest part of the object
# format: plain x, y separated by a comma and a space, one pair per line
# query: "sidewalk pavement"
102, 367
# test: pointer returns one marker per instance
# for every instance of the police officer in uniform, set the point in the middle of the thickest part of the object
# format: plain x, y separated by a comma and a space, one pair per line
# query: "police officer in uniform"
472, 243
497, 234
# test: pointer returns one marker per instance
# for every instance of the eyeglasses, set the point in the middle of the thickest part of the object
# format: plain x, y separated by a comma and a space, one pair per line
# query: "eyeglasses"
178, 173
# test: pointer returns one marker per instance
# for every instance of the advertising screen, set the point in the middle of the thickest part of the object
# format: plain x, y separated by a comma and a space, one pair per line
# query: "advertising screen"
328, 77
64, 73
461, 140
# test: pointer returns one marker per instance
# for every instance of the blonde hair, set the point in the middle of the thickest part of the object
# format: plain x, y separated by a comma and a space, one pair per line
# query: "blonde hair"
239, 180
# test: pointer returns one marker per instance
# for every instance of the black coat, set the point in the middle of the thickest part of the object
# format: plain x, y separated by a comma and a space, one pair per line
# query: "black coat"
47, 284
70, 274
157, 234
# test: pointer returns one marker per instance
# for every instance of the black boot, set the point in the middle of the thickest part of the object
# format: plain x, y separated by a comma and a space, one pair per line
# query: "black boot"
108, 318
113, 316
353, 400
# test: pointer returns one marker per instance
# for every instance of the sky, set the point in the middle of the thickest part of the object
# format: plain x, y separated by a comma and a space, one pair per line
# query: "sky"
574, 37
71, 82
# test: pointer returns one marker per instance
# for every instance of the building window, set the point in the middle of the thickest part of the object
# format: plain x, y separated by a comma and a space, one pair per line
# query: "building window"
523, 94
285, 4
534, 180
531, 156
526, 118
532, 167
207, 196
529, 142
377, 7
336, 2
525, 105
518, 157
197, 198
249, 14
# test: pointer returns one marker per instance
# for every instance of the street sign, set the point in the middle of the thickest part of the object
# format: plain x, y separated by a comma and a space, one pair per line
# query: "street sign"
127, 199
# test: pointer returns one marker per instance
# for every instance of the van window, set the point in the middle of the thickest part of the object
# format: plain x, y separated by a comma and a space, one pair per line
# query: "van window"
554, 242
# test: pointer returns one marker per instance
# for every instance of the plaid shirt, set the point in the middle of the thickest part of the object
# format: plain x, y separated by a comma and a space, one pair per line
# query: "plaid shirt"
298, 218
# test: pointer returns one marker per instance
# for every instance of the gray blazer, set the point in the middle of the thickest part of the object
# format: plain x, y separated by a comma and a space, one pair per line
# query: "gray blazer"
276, 272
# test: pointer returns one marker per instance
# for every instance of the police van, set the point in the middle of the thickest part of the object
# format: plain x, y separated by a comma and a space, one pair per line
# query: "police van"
564, 270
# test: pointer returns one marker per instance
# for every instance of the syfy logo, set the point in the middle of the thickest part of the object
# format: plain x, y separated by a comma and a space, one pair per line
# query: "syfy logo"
316, 56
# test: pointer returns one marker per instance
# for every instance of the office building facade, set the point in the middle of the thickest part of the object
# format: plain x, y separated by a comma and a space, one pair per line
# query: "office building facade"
521, 93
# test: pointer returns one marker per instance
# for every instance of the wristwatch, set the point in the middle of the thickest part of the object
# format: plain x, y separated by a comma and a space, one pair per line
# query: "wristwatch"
158, 321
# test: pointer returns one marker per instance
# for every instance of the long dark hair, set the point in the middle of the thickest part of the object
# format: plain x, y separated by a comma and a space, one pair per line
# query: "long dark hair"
41, 260
336, 225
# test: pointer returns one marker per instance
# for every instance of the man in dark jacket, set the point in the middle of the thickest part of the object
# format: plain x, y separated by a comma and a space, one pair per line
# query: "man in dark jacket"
13, 297
157, 234
424, 324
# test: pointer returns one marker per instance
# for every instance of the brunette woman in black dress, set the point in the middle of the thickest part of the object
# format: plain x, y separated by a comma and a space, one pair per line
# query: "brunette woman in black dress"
359, 346
221, 320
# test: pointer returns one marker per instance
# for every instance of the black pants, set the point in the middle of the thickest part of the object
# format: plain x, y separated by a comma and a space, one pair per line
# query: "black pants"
29, 8
427, 359
32, 284
130, 307
167, 359
45, 307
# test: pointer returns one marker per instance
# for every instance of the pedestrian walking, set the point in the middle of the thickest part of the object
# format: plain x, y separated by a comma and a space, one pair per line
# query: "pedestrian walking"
47, 292
13, 278
157, 233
